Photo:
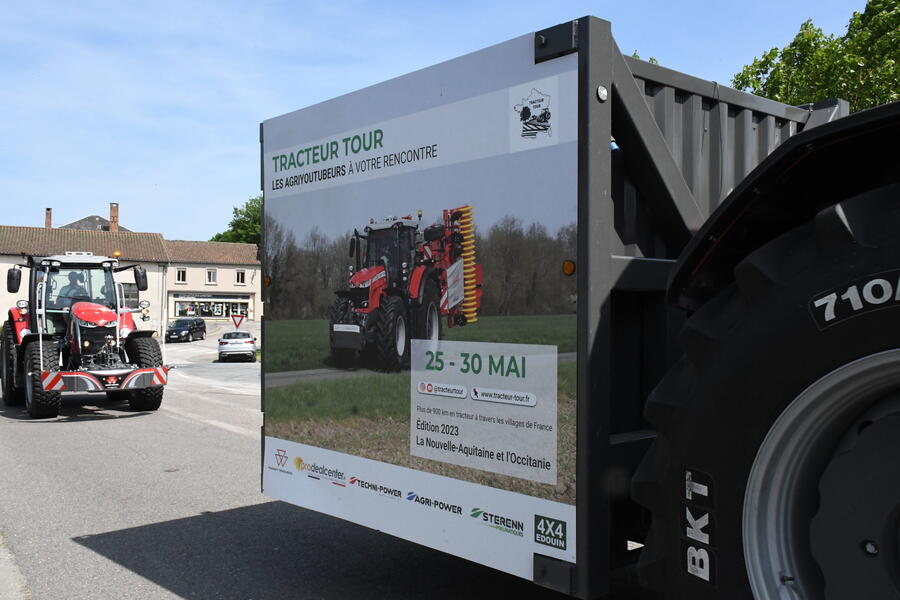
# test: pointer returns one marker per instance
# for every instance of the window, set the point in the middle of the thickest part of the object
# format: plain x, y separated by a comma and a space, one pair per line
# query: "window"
240, 277
211, 276
181, 275
130, 293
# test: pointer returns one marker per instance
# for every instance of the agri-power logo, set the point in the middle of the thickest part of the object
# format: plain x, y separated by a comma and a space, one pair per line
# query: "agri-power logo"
500, 522
281, 457
382, 490
320, 472
439, 505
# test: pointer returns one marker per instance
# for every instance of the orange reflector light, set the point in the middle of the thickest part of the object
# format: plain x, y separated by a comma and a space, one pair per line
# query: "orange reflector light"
267, 280
568, 267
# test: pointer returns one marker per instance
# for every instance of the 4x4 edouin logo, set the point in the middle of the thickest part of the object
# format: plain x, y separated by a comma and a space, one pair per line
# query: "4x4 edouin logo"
320, 472
434, 503
550, 532
382, 490
500, 522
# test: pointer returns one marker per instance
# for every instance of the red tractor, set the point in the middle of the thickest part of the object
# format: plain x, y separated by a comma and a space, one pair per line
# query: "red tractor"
74, 334
410, 278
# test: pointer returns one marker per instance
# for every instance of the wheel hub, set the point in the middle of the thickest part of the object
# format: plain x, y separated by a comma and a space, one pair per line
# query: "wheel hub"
782, 494
855, 533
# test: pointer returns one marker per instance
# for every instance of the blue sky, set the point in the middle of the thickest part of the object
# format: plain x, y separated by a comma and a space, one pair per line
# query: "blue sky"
158, 106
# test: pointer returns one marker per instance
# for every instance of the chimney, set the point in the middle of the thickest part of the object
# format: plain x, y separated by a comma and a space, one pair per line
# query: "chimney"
113, 216
48, 218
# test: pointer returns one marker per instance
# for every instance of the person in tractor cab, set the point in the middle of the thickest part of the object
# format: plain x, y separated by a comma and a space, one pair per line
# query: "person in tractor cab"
384, 245
74, 291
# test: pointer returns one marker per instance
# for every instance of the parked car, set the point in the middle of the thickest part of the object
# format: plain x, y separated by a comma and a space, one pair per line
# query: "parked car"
237, 343
186, 330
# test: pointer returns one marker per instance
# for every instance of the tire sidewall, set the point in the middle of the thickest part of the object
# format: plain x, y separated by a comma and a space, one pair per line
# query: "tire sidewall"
740, 389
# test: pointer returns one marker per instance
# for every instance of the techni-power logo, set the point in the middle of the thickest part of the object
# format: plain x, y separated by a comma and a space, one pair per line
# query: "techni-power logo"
434, 503
500, 522
320, 472
383, 490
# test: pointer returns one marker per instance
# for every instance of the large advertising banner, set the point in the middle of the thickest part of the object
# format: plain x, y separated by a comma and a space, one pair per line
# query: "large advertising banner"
420, 332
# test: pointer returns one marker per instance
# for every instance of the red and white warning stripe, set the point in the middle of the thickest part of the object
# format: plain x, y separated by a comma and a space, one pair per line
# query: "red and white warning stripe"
52, 381
158, 375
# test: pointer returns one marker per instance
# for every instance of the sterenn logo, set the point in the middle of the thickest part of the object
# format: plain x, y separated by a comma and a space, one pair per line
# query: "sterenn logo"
500, 522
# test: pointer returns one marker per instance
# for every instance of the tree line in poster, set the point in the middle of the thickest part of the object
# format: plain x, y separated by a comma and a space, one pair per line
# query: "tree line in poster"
522, 267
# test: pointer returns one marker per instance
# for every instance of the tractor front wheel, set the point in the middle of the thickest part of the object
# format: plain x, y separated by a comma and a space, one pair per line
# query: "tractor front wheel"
391, 339
40, 403
12, 396
144, 351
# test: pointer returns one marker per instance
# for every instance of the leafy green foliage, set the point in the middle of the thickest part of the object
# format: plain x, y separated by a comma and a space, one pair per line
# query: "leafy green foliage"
650, 60
862, 66
244, 225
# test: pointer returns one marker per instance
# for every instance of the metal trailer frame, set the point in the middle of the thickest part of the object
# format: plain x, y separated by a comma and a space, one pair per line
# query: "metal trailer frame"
683, 144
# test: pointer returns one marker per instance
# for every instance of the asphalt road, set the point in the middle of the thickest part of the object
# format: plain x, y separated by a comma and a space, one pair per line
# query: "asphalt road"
106, 503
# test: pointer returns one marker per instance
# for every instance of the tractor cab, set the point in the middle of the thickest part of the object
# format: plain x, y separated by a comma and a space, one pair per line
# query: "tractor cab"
79, 285
390, 244
59, 288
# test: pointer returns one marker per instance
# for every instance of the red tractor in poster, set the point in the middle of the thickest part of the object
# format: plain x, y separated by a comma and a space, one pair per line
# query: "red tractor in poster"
401, 285
73, 333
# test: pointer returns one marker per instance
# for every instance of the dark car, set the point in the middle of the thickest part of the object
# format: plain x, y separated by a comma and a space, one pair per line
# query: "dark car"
186, 330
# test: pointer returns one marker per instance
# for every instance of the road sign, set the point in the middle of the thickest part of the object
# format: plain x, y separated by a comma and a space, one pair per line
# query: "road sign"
238, 319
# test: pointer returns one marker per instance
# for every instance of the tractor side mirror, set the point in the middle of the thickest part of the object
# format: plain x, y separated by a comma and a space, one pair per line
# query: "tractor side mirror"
13, 280
140, 278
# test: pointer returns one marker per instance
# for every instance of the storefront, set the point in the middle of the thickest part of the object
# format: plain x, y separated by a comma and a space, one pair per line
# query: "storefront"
212, 306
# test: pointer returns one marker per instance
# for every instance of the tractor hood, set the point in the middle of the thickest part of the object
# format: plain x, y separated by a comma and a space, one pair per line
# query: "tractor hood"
95, 314
366, 277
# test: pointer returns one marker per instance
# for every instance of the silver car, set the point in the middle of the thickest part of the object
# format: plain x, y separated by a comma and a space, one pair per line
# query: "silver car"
237, 343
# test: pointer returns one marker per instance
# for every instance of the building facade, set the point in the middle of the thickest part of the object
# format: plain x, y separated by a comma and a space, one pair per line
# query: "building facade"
212, 280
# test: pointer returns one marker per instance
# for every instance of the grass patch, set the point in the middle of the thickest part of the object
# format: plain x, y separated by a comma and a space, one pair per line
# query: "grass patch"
295, 345
371, 396
300, 345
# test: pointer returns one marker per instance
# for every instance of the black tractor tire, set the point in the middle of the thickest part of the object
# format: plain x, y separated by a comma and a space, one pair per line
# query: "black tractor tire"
391, 335
749, 353
12, 396
39, 403
427, 317
145, 352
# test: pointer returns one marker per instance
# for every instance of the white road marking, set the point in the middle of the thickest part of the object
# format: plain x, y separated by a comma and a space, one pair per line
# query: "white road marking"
212, 422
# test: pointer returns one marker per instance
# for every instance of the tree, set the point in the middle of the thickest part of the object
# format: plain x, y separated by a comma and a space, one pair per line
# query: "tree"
862, 66
244, 225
